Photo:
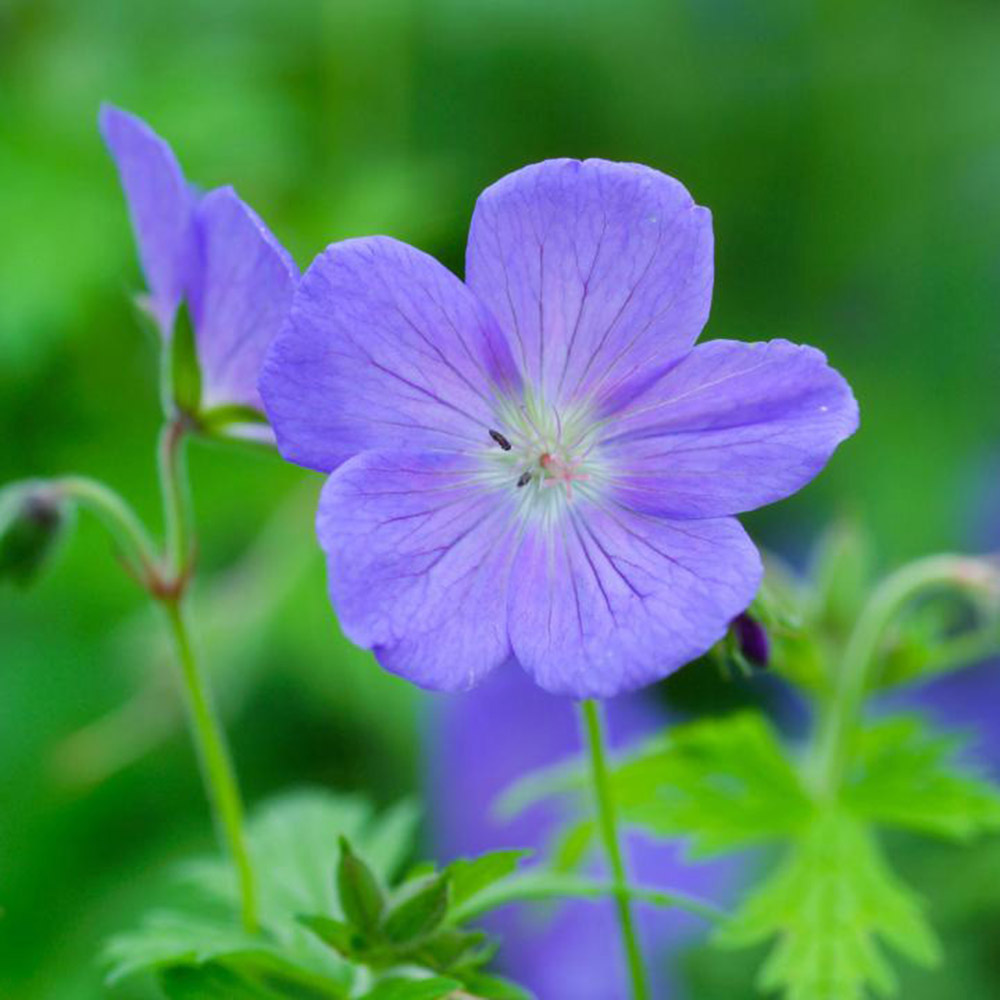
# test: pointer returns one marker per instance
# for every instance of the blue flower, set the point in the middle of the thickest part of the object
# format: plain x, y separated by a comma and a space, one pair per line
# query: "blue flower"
210, 250
540, 463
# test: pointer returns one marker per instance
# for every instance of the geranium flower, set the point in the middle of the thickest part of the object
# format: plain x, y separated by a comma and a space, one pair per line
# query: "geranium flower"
210, 250
539, 462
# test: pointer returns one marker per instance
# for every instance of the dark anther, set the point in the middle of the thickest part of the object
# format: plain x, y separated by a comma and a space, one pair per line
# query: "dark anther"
500, 440
524, 479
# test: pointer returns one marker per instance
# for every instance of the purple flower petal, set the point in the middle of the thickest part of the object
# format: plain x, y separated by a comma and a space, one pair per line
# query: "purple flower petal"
385, 348
596, 271
613, 600
731, 427
418, 557
160, 205
239, 296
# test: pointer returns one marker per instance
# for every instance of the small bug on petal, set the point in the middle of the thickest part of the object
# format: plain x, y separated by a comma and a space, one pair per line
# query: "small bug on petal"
500, 440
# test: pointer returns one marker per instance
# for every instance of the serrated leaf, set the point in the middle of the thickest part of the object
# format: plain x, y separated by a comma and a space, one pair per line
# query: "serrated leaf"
437, 988
172, 938
338, 935
489, 987
471, 875
904, 775
832, 905
209, 982
360, 895
724, 783
453, 950
246, 977
419, 913
292, 842
185, 369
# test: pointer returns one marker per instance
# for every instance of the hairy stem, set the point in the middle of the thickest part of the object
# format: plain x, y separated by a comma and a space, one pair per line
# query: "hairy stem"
217, 768
118, 519
216, 764
604, 801
176, 502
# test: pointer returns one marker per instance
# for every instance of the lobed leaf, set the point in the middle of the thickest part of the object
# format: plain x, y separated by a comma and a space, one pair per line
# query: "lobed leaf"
470, 876
904, 775
832, 906
437, 988
724, 783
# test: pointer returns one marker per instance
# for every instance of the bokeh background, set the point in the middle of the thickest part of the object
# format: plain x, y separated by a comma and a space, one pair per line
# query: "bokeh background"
850, 152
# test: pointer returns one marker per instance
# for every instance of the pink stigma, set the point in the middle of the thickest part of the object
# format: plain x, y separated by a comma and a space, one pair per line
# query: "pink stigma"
558, 470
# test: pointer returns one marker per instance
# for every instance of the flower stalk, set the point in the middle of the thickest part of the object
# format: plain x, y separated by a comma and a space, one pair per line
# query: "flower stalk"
217, 767
962, 573
607, 821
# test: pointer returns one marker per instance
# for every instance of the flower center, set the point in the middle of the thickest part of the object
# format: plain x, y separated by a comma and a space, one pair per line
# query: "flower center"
546, 456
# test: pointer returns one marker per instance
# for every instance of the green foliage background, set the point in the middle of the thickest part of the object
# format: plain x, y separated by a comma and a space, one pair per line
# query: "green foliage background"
850, 152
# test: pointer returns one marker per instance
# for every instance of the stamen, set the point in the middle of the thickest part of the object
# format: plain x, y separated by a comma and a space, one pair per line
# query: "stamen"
500, 440
523, 479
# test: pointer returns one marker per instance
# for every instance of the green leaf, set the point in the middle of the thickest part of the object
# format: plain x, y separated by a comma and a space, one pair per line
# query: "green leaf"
172, 938
292, 841
414, 989
185, 370
246, 977
220, 418
573, 846
904, 775
453, 950
470, 876
832, 905
360, 895
209, 982
540, 884
724, 783
495, 988
419, 913
338, 935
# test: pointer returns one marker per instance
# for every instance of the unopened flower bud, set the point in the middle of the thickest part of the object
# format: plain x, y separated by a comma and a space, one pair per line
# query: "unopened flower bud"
752, 640
31, 520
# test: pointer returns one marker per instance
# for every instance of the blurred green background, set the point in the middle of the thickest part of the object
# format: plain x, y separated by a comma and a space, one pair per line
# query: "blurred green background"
850, 153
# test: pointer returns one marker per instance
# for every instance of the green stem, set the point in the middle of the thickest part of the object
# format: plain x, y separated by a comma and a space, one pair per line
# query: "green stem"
117, 517
216, 764
176, 503
217, 768
860, 652
604, 801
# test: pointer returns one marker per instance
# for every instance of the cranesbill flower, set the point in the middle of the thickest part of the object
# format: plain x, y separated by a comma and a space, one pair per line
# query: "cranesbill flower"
539, 462
210, 250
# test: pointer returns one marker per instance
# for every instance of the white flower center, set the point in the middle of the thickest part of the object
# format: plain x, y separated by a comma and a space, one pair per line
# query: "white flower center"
549, 457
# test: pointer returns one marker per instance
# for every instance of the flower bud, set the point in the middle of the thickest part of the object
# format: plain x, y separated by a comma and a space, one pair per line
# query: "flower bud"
751, 639
32, 517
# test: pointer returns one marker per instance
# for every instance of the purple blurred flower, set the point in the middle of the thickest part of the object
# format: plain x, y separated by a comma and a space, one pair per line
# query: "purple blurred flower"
539, 462
208, 249
483, 741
